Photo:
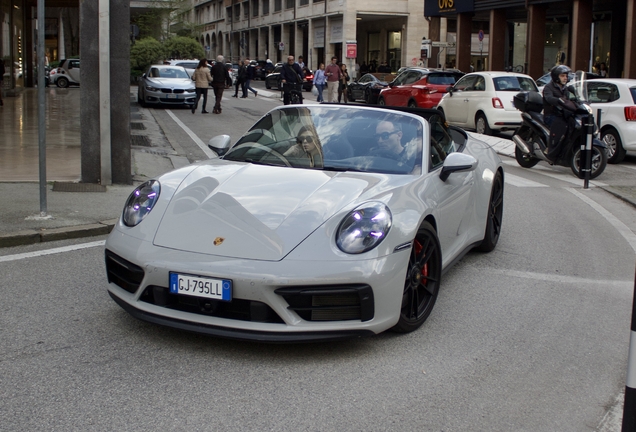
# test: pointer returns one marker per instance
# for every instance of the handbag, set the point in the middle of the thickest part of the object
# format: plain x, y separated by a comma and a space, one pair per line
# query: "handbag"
314, 90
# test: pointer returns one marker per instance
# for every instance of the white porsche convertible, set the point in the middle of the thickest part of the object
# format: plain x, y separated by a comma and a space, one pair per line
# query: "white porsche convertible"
321, 222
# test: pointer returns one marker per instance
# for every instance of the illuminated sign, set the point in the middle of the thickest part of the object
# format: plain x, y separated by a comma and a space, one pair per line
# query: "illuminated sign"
433, 8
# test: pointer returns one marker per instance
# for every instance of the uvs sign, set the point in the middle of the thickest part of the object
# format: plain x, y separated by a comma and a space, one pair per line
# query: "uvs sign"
434, 8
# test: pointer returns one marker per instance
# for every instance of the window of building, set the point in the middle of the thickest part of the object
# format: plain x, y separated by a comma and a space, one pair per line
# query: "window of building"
265, 7
237, 12
246, 10
228, 14
290, 4
254, 8
278, 5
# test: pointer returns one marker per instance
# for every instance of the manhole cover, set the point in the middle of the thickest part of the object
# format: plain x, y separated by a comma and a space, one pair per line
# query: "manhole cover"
78, 187
138, 126
140, 140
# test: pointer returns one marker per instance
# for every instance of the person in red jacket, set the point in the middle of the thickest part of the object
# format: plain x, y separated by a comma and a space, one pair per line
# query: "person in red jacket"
333, 74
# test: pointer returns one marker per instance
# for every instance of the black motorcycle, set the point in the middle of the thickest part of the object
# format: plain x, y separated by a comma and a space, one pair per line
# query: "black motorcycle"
532, 137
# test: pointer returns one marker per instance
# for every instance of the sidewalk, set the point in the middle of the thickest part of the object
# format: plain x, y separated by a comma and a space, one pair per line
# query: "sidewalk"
76, 212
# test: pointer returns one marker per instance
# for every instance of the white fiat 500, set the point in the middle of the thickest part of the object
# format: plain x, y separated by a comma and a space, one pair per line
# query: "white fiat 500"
321, 222
483, 101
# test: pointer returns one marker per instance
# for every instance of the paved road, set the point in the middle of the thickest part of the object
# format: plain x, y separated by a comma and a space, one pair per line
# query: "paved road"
531, 337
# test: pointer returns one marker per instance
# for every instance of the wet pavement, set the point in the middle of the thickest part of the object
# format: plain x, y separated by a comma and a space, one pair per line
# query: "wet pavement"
158, 145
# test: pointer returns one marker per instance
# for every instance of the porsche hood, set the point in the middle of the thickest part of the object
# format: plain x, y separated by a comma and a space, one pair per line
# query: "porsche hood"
257, 212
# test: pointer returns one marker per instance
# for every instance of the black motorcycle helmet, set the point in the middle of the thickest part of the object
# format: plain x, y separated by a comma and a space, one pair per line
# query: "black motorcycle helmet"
558, 70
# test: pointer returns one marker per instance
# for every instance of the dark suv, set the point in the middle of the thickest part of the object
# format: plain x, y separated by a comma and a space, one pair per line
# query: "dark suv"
419, 87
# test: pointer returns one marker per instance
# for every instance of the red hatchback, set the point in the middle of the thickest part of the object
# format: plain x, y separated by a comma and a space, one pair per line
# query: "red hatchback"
419, 87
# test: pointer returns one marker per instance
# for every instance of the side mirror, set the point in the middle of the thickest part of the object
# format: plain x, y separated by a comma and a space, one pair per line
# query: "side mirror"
220, 144
391, 84
457, 162
571, 89
450, 89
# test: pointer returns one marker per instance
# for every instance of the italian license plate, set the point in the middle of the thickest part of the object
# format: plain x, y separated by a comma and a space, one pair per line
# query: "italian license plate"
172, 96
197, 286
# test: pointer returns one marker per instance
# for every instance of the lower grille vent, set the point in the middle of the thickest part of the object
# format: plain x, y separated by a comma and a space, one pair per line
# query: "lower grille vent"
330, 303
123, 273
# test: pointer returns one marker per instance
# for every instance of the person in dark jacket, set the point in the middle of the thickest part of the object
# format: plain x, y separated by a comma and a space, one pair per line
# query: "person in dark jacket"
251, 74
220, 81
291, 75
241, 76
555, 107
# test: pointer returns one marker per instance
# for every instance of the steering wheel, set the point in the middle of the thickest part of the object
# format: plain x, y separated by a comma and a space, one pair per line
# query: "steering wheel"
385, 153
272, 152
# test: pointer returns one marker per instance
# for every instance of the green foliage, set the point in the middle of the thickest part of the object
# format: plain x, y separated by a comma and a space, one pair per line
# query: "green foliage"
146, 52
181, 47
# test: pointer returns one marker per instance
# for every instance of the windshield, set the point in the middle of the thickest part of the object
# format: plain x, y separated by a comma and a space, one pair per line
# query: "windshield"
172, 73
336, 139
580, 89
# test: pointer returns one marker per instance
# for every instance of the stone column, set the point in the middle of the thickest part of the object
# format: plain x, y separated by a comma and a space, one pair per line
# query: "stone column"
581, 35
630, 42
311, 61
119, 92
285, 37
462, 49
536, 40
434, 34
61, 50
497, 40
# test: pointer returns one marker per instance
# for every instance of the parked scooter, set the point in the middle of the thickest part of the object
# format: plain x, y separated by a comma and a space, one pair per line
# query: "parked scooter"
532, 137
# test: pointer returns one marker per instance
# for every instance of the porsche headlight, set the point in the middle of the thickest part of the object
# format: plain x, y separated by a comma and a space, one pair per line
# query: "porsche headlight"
364, 228
141, 202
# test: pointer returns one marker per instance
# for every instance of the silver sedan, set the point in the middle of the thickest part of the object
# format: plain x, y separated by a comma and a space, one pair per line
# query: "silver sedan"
163, 84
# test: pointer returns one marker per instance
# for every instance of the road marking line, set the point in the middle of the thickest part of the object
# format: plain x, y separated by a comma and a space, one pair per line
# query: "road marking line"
622, 229
208, 152
53, 251
627, 284
522, 182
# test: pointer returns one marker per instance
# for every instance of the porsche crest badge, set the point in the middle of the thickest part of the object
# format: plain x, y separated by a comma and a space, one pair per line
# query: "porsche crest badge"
218, 241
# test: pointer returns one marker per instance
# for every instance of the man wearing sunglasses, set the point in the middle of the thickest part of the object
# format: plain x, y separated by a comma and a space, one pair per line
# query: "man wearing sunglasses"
389, 139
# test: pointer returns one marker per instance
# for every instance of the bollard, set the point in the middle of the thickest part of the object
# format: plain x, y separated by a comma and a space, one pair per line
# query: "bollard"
629, 408
585, 161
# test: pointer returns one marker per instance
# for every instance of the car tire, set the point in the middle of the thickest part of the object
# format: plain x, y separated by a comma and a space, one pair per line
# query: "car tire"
381, 102
423, 277
481, 124
267, 85
140, 100
412, 104
495, 214
62, 82
615, 151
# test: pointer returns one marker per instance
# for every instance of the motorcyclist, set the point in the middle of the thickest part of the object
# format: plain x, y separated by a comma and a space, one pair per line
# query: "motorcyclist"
555, 106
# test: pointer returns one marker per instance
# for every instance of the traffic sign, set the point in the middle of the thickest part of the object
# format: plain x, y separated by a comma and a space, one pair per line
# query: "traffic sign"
443, 44
481, 35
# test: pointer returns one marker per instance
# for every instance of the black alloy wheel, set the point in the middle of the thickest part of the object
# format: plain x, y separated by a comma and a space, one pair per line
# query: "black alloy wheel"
495, 215
423, 277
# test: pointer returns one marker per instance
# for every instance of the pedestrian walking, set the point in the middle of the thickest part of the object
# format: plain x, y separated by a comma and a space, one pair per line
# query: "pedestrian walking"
292, 78
344, 79
240, 79
333, 74
319, 81
301, 62
251, 74
202, 79
220, 81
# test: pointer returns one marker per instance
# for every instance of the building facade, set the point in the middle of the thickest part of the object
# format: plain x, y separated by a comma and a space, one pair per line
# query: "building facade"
524, 35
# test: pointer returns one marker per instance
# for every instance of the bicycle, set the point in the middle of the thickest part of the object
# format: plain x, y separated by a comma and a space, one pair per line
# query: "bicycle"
295, 93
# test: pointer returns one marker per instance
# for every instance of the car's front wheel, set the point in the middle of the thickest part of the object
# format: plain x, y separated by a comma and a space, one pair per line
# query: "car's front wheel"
62, 82
412, 104
423, 277
381, 102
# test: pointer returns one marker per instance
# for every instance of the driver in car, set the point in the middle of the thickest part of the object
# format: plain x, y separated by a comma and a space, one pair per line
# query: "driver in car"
389, 139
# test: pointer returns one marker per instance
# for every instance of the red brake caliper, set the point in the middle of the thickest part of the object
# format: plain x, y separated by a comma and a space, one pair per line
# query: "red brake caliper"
417, 246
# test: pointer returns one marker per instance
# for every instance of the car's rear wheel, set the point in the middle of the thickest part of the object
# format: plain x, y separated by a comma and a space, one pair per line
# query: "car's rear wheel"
140, 100
481, 124
615, 151
495, 214
423, 277
62, 82
412, 104
267, 85
381, 102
